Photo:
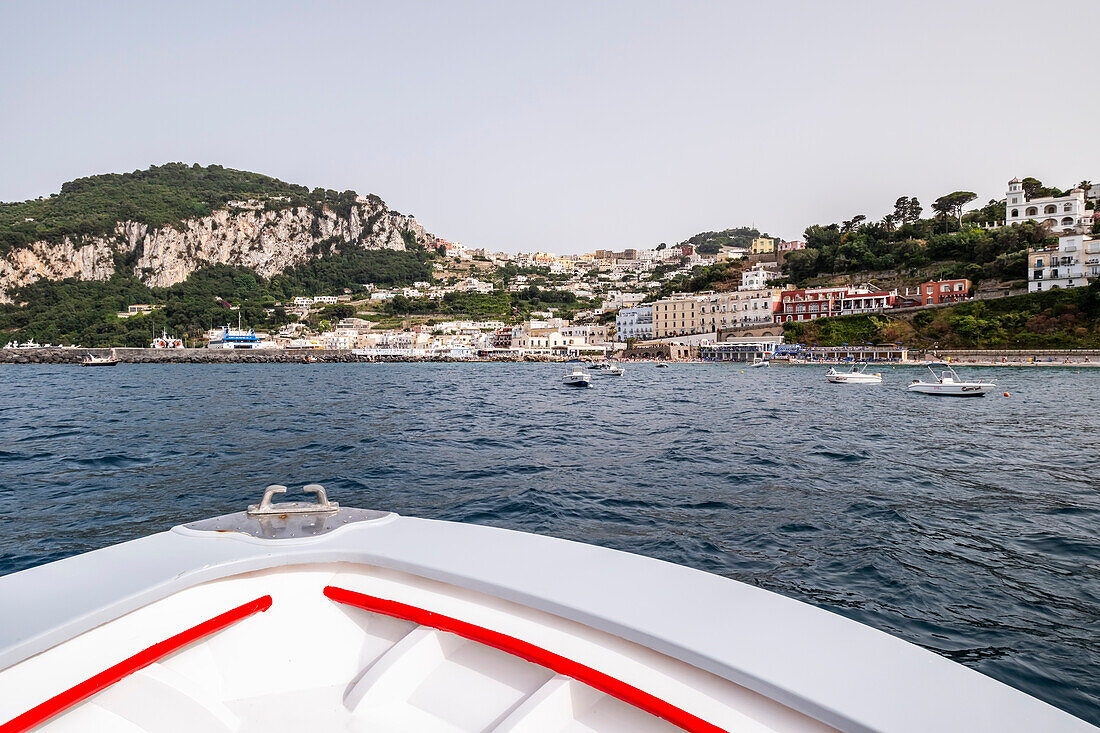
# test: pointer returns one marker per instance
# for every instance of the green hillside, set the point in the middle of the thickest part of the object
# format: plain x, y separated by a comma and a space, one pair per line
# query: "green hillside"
160, 196
710, 243
83, 312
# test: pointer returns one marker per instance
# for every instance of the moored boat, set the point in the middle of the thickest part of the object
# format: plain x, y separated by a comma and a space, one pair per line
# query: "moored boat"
947, 383
91, 360
164, 341
301, 616
608, 368
857, 374
577, 376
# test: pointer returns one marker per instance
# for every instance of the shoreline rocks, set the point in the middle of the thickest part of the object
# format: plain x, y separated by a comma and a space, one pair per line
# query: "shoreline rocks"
218, 356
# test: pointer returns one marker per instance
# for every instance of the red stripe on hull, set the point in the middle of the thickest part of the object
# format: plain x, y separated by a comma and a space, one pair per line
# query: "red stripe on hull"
593, 678
78, 693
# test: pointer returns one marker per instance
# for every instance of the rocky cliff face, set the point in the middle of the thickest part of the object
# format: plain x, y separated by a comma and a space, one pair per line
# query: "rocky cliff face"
266, 241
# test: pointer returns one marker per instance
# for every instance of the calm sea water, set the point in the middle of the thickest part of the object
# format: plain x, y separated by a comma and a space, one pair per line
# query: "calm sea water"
971, 527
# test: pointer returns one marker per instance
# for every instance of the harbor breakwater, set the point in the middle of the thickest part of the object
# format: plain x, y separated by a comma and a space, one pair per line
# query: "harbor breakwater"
212, 356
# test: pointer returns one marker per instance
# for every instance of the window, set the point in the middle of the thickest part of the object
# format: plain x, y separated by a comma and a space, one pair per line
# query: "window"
1032, 211
1067, 207
1050, 209
1067, 221
1015, 212
1039, 262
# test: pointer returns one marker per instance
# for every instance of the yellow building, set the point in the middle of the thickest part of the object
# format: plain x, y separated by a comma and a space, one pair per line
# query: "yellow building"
763, 246
676, 316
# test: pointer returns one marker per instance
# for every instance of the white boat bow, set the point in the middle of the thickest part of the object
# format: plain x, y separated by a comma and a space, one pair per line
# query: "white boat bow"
346, 619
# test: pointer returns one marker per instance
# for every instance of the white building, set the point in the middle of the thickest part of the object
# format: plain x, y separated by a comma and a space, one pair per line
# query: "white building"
590, 334
472, 284
325, 299
617, 299
757, 276
341, 338
1064, 213
1067, 265
634, 323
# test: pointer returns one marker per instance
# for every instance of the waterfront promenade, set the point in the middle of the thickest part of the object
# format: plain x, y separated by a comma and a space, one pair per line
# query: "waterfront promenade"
43, 355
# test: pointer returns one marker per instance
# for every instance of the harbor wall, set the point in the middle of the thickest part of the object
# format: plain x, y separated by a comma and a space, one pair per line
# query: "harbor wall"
209, 356
1015, 355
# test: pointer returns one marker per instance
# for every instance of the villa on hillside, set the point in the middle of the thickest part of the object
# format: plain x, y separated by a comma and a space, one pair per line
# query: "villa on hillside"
1064, 213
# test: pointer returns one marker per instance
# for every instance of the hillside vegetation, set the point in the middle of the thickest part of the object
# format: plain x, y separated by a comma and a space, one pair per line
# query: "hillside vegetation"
1064, 319
710, 243
83, 311
160, 196
903, 240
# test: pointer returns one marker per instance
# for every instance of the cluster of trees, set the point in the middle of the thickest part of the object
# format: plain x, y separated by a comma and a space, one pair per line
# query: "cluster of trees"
903, 239
83, 312
160, 196
710, 243
497, 303
701, 278
857, 246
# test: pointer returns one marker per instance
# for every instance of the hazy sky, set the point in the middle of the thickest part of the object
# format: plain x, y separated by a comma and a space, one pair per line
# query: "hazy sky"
563, 126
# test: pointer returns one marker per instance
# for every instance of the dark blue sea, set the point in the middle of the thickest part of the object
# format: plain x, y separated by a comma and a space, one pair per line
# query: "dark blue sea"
968, 526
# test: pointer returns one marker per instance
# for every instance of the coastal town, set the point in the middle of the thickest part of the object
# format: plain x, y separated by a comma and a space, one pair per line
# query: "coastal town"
626, 303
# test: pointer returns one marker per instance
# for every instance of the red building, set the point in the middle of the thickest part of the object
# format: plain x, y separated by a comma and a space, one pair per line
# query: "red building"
810, 303
789, 246
935, 292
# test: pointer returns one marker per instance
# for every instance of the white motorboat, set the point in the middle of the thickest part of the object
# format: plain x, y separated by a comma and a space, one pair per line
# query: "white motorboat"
608, 369
166, 342
857, 374
662, 365
91, 360
575, 377
300, 616
948, 383
757, 363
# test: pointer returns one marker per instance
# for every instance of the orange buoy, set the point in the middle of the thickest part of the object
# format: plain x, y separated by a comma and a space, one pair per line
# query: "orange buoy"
1006, 394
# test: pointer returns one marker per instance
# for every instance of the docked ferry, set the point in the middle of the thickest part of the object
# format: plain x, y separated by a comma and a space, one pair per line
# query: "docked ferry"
227, 338
293, 616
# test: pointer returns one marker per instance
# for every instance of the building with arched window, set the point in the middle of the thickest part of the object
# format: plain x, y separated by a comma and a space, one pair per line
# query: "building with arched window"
1061, 213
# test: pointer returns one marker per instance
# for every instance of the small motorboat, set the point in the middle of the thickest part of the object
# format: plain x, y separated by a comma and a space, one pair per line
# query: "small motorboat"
296, 616
91, 360
577, 376
947, 383
608, 369
662, 365
857, 374
757, 363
